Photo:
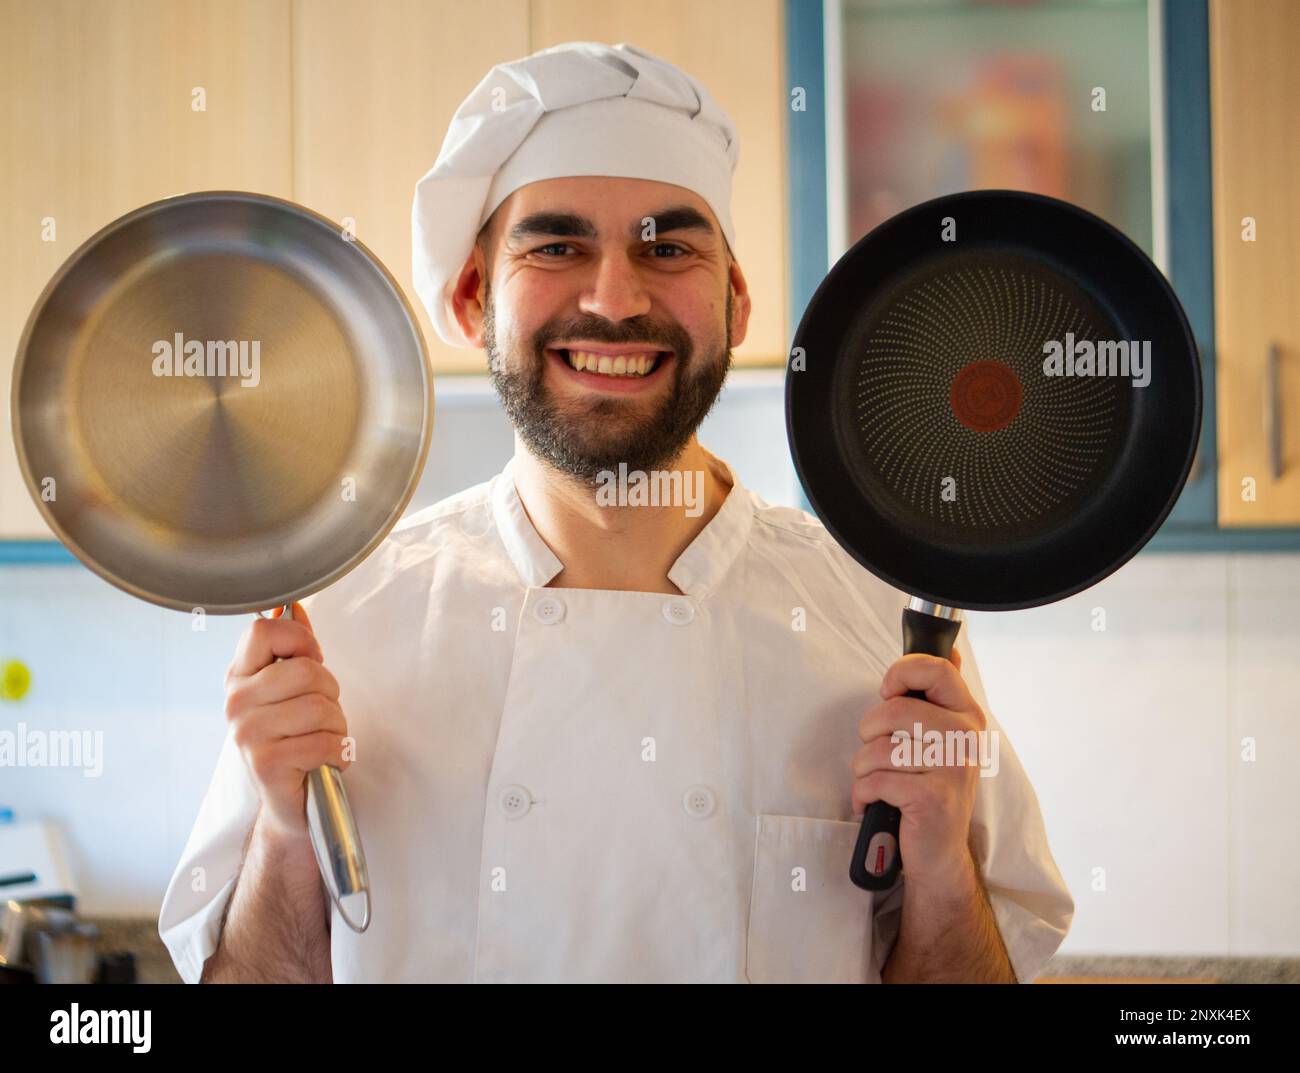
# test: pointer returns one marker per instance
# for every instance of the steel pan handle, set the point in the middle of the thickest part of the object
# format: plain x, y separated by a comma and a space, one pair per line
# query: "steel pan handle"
337, 843
877, 860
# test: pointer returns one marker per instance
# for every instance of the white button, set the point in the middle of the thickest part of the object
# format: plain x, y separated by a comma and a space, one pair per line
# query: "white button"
679, 611
548, 610
515, 801
699, 802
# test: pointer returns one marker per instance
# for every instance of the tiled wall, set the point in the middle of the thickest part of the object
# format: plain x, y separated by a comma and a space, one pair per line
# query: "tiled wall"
1134, 739
1131, 734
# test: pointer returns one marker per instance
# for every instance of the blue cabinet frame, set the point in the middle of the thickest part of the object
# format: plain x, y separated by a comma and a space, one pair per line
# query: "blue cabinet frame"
1193, 523
34, 553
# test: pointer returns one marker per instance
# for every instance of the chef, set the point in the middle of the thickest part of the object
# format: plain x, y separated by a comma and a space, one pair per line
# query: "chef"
591, 737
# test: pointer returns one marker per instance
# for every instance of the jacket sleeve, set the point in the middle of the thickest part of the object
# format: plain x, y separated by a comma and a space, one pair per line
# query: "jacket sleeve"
200, 888
1030, 901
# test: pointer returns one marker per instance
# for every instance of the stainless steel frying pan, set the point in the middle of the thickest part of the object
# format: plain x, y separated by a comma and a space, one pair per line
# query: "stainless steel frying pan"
222, 402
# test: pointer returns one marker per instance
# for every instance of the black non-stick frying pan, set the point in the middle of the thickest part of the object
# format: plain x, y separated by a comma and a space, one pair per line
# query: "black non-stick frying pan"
951, 433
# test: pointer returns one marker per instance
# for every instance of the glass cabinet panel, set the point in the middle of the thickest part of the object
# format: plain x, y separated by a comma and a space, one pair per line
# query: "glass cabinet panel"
946, 96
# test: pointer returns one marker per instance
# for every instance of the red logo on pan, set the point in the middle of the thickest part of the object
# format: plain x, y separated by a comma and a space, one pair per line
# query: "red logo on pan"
986, 396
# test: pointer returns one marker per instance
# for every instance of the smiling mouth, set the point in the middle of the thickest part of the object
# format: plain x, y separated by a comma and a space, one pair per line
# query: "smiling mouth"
629, 366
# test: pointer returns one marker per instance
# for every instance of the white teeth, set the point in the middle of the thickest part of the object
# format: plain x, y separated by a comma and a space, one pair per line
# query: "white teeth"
620, 365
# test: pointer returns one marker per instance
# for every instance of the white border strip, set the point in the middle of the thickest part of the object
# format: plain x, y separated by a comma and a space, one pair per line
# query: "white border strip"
1159, 135
837, 216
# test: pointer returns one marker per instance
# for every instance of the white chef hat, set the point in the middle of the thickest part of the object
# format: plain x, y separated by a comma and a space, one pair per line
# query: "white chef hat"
580, 108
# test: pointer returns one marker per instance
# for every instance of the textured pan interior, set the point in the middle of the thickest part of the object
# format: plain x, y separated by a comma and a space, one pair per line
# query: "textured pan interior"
993, 308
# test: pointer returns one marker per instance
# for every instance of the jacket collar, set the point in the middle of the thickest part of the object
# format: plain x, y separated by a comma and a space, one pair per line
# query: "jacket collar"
697, 572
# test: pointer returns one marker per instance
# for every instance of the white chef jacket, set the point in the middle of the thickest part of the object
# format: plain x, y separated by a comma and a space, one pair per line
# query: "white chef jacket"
558, 784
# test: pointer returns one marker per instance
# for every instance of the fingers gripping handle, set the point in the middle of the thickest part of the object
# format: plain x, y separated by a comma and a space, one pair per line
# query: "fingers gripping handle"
876, 857
337, 843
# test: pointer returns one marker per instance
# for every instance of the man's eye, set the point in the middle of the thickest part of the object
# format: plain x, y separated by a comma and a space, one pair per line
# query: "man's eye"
552, 246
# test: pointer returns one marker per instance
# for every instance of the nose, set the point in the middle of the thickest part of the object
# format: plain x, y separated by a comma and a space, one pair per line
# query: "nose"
616, 291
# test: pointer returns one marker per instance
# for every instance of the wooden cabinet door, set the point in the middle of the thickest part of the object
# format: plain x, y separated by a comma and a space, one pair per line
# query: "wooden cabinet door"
99, 118
375, 87
1255, 110
339, 104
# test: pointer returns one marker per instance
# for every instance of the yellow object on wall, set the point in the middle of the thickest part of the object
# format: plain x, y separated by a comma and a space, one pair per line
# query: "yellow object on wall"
15, 680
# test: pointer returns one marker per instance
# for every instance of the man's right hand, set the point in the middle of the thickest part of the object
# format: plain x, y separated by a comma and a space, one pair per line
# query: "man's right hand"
285, 716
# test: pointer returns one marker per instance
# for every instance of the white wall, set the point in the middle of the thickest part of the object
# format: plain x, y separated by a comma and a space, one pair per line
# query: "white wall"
1131, 736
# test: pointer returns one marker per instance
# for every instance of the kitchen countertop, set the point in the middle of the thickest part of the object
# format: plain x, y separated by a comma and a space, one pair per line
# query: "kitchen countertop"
154, 963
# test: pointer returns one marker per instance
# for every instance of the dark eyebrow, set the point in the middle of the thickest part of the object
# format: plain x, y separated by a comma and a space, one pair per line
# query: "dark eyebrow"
568, 224
676, 218
571, 225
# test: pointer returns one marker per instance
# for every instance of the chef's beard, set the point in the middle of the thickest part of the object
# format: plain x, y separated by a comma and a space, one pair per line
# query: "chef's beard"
586, 438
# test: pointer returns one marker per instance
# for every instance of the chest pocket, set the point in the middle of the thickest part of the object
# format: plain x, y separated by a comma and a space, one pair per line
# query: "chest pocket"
808, 922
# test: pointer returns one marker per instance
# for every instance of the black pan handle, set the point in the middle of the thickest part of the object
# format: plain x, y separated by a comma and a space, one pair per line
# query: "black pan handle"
876, 858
